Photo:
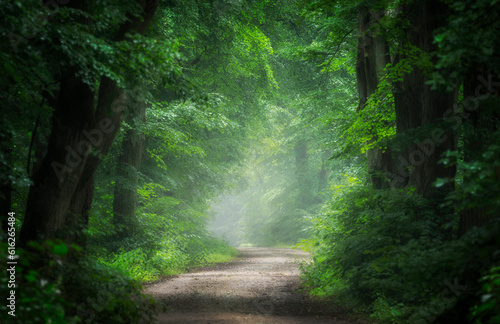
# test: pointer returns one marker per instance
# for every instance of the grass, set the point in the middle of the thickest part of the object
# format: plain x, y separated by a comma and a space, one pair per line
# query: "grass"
218, 257
170, 260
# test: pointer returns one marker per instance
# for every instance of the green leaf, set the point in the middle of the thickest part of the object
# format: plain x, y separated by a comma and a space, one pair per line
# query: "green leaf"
31, 276
440, 182
60, 249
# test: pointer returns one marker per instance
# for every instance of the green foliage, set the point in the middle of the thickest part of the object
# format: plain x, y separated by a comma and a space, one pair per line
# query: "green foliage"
383, 311
172, 257
375, 125
386, 252
72, 289
258, 96
461, 46
171, 237
360, 230
148, 267
103, 294
488, 310
219, 251
38, 299
225, 49
483, 188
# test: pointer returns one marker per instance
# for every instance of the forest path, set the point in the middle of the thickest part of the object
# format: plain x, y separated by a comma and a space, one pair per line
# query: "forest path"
261, 286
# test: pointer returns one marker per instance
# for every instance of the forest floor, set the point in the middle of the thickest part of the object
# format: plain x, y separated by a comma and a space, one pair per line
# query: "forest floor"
261, 286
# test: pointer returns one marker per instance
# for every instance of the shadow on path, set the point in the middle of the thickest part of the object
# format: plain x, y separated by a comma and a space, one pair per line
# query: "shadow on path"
261, 286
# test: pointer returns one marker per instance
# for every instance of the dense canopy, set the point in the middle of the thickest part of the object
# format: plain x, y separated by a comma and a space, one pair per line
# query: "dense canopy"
140, 138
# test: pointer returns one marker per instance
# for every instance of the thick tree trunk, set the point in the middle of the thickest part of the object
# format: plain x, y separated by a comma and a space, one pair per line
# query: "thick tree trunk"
63, 182
425, 16
127, 168
480, 114
372, 57
366, 68
57, 178
408, 107
417, 105
77, 218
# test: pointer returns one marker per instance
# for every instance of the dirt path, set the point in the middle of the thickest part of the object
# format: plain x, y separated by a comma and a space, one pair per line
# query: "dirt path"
261, 286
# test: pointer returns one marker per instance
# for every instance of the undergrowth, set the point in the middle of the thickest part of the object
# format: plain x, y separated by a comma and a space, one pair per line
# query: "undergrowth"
57, 283
149, 265
386, 253
171, 238
75, 288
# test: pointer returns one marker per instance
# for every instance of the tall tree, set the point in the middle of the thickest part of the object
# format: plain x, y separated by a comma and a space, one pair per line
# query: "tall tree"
470, 27
372, 58
127, 172
81, 130
431, 104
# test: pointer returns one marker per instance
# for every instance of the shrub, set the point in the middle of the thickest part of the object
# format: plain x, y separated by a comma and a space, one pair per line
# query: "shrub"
37, 300
488, 309
387, 252
100, 294
73, 288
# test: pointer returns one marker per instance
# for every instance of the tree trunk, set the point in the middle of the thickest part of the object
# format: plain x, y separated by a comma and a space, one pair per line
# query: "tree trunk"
366, 72
425, 16
62, 184
372, 57
323, 172
301, 168
481, 118
77, 218
127, 168
408, 107
57, 178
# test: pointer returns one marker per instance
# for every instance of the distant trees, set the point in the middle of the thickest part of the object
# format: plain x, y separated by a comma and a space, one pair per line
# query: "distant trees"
195, 131
287, 167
